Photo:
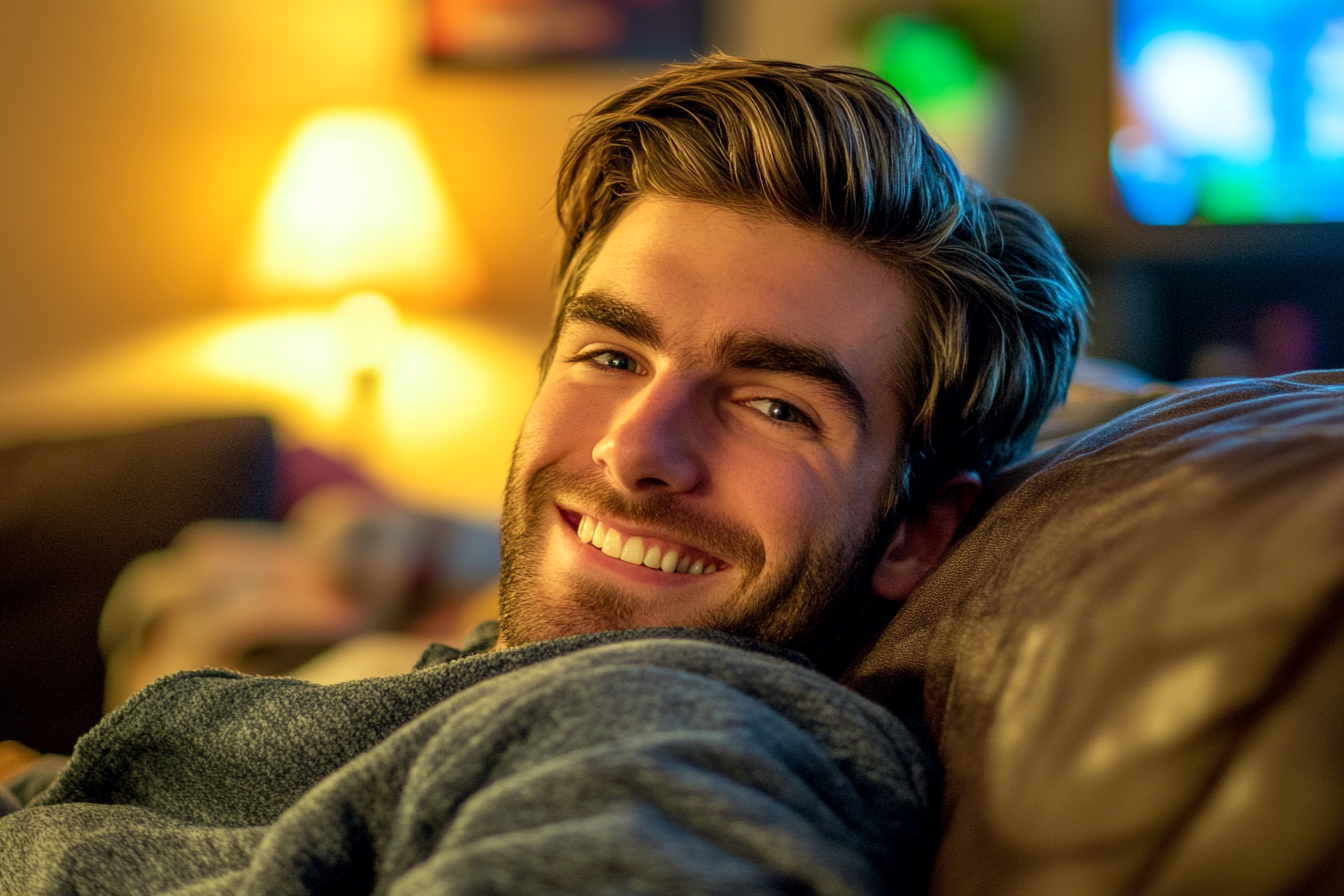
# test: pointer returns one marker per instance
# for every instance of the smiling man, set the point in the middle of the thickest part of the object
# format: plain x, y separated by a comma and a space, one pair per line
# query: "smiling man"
791, 339
721, 389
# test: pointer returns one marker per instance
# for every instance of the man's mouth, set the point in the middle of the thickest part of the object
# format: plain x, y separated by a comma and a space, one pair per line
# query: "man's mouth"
654, 553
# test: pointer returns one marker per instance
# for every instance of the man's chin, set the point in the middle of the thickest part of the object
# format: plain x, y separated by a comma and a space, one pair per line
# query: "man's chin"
529, 615
806, 601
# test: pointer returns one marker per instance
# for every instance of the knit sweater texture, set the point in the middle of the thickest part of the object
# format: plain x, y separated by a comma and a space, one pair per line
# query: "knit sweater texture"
657, 761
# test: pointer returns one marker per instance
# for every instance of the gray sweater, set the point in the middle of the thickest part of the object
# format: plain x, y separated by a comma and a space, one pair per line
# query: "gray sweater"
663, 761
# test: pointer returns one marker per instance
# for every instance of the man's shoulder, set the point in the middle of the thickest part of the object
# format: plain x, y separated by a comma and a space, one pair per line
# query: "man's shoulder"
668, 754
279, 736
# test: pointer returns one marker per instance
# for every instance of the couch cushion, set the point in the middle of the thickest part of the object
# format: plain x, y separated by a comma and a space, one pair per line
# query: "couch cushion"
1134, 662
73, 512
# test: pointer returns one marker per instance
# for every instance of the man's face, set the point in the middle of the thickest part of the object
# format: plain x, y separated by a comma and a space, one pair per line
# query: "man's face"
712, 438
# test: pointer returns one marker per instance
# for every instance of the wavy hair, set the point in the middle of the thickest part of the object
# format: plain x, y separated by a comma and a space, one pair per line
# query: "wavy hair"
1000, 311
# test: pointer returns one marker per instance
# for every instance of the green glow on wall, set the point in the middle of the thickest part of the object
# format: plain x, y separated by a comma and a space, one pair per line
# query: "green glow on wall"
928, 62
958, 96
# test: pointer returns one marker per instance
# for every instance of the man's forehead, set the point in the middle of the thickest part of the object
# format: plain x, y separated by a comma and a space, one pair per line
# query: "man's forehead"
753, 273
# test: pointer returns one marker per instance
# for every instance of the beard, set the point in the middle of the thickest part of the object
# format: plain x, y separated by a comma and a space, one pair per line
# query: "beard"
817, 601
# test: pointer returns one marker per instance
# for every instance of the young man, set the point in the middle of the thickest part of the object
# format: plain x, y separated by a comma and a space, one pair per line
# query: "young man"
791, 337
790, 340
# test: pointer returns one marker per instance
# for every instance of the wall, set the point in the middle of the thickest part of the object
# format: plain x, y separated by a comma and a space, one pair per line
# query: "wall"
135, 136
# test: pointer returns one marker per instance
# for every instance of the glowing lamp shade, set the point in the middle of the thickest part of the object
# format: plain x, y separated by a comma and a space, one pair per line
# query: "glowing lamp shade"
354, 204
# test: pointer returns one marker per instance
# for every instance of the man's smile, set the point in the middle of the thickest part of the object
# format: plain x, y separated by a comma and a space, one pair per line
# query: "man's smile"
641, 548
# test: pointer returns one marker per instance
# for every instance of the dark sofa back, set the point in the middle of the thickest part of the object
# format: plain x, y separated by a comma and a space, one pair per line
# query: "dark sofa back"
72, 514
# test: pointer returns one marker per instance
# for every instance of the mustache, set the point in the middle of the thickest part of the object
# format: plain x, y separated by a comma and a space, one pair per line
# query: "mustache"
658, 510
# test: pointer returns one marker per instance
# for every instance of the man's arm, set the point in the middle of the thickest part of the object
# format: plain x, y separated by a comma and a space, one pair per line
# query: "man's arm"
659, 766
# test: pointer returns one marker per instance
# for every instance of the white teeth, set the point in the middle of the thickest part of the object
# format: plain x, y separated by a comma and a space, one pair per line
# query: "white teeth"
653, 557
633, 552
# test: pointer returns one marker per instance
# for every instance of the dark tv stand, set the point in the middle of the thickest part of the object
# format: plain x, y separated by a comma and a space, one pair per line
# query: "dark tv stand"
1163, 295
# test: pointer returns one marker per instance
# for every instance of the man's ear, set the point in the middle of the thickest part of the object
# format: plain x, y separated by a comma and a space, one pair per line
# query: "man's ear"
922, 538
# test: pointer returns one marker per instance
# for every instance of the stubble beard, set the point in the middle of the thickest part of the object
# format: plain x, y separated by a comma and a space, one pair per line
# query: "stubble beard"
818, 602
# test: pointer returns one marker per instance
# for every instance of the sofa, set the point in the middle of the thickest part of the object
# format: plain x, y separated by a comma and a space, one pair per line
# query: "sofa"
73, 513
1132, 661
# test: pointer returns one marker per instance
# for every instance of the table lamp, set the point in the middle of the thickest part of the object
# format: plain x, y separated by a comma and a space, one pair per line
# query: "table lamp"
354, 219
352, 231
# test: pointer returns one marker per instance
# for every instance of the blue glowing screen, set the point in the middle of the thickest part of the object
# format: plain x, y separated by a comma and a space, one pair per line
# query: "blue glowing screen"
1229, 111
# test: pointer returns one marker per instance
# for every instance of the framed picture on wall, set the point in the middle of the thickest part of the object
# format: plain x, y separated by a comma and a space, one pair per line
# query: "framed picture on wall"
512, 32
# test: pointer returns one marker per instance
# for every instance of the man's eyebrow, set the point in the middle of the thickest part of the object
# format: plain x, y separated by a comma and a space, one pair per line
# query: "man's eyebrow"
604, 310
768, 353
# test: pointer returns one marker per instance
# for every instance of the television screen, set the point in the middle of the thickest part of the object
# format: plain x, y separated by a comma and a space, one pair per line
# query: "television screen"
1229, 111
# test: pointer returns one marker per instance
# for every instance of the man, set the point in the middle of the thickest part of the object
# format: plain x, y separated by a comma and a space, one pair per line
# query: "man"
790, 340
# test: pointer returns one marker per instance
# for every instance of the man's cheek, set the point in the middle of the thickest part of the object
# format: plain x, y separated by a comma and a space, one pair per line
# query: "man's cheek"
783, 492
543, 428
566, 421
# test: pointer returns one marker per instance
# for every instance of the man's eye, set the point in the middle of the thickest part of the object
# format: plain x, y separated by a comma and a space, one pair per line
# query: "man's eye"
609, 359
616, 361
780, 411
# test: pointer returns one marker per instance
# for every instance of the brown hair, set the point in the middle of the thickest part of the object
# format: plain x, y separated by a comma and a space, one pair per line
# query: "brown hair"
1001, 311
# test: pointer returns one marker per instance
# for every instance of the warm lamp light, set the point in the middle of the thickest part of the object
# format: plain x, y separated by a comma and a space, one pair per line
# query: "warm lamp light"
354, 221
354, 205
368, 327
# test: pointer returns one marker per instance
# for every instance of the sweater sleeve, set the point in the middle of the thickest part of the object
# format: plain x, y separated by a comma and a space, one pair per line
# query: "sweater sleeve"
650, 766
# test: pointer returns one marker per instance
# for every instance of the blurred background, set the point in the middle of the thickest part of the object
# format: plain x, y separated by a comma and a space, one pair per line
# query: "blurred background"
181, 199
288, 263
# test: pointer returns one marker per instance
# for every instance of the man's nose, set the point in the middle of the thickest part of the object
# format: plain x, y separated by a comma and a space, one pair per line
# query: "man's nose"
656, 441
